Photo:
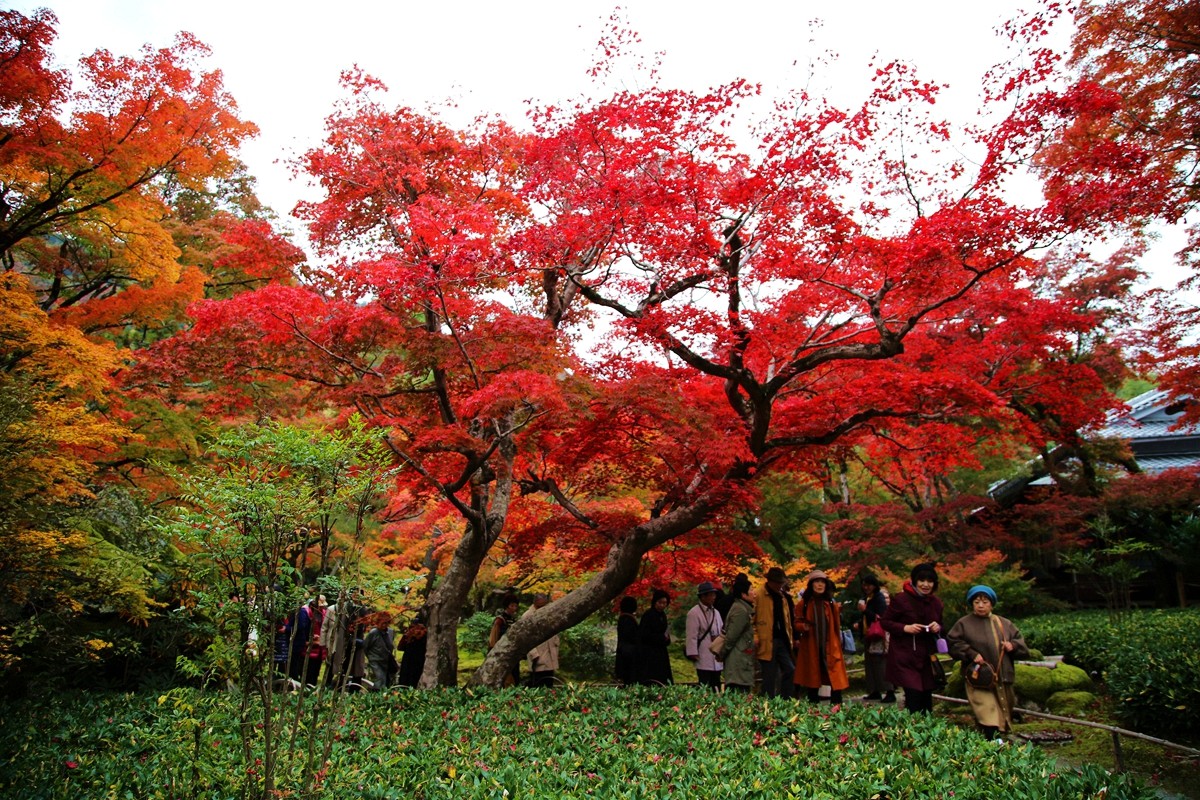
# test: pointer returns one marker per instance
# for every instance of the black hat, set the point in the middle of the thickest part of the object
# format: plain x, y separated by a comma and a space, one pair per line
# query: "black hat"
776, 574
926, 570
741, 585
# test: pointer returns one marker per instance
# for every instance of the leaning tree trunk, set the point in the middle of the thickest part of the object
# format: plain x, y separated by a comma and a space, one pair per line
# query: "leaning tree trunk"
620, 570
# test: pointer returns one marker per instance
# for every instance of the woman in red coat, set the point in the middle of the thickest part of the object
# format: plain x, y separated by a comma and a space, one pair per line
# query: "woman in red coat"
818, 631
914, 620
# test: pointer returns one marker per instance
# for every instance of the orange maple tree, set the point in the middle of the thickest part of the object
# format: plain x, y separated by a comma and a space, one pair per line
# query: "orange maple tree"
121, 202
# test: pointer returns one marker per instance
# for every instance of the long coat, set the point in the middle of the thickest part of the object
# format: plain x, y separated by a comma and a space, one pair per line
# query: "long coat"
704, 624
627, 649
909, 653
764, 622
974, 635
653, 638
738, 653
819, 658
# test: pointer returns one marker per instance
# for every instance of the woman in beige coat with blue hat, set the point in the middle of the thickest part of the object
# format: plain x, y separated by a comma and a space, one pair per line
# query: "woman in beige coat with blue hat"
986, 644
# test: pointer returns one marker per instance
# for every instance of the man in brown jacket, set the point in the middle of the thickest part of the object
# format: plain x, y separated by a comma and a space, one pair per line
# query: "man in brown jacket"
773, 635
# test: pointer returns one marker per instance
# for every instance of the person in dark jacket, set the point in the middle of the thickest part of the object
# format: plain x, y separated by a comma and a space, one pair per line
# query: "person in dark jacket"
654, 635
627, 648
379, 649
412, 645
873, 606
914, 622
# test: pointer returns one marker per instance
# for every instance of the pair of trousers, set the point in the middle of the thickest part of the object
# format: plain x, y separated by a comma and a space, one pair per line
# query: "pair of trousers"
917, 701
777, 672
710, 678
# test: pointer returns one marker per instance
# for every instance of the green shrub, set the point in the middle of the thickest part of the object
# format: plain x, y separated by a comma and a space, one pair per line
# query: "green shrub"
473, 631
568, 743
582, 652
1148, 660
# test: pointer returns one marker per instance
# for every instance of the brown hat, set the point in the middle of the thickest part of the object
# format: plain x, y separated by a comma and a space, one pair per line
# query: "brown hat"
815, 574
776, 574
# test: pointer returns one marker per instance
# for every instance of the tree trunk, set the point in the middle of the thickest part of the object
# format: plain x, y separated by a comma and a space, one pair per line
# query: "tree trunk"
485, 521
445, 606
620, 569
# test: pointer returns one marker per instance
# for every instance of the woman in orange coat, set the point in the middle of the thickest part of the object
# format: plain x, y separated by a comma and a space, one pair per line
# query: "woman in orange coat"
818, 629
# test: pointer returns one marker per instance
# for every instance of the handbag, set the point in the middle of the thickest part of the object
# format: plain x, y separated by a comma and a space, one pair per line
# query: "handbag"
848, 641
938, 671
985, 676
717, 645
875, 631
981, 676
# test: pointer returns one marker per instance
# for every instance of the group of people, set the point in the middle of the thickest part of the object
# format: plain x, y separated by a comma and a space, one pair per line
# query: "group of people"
796, 644
356, 647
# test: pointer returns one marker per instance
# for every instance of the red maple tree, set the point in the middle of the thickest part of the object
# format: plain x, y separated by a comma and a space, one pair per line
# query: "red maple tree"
616, 320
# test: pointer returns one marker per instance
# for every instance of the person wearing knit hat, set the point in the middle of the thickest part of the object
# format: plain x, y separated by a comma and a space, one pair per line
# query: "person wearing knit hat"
926, 570
987, 644
819, 660
914, 622
981, 589
704, 624
654, 635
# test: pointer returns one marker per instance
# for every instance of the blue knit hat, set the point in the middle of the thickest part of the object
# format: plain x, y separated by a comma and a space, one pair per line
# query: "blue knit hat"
981, 589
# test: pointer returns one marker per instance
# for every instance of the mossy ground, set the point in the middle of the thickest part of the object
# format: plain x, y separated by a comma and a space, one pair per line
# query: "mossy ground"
1160, 767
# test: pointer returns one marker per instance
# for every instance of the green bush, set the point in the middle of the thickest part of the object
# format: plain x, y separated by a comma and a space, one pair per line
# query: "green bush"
1148, 660
473, 631
582, 652
567, 743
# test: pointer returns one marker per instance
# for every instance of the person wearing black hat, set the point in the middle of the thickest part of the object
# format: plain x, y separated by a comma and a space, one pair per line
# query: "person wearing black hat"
914, 621
773, 609
654, 635
704, 624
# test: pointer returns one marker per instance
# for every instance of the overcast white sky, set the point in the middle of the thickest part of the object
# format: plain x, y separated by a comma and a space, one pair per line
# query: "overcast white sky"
281, 60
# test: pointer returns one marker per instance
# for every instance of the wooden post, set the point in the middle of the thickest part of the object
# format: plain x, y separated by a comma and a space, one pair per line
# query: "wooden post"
1117, 755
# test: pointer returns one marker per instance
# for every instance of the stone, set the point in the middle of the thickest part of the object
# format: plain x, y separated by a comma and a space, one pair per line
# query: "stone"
1038, 683
1069, 704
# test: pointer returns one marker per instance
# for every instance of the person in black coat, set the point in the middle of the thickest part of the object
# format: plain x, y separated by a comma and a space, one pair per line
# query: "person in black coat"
654, 636
412, 645
627, 647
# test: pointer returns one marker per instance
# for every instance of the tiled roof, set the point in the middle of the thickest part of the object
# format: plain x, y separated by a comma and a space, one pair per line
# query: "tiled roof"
1145, 417
1154, 464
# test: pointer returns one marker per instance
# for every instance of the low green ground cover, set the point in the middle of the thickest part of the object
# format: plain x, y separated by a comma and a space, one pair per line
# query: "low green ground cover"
1148, 661
566, 743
